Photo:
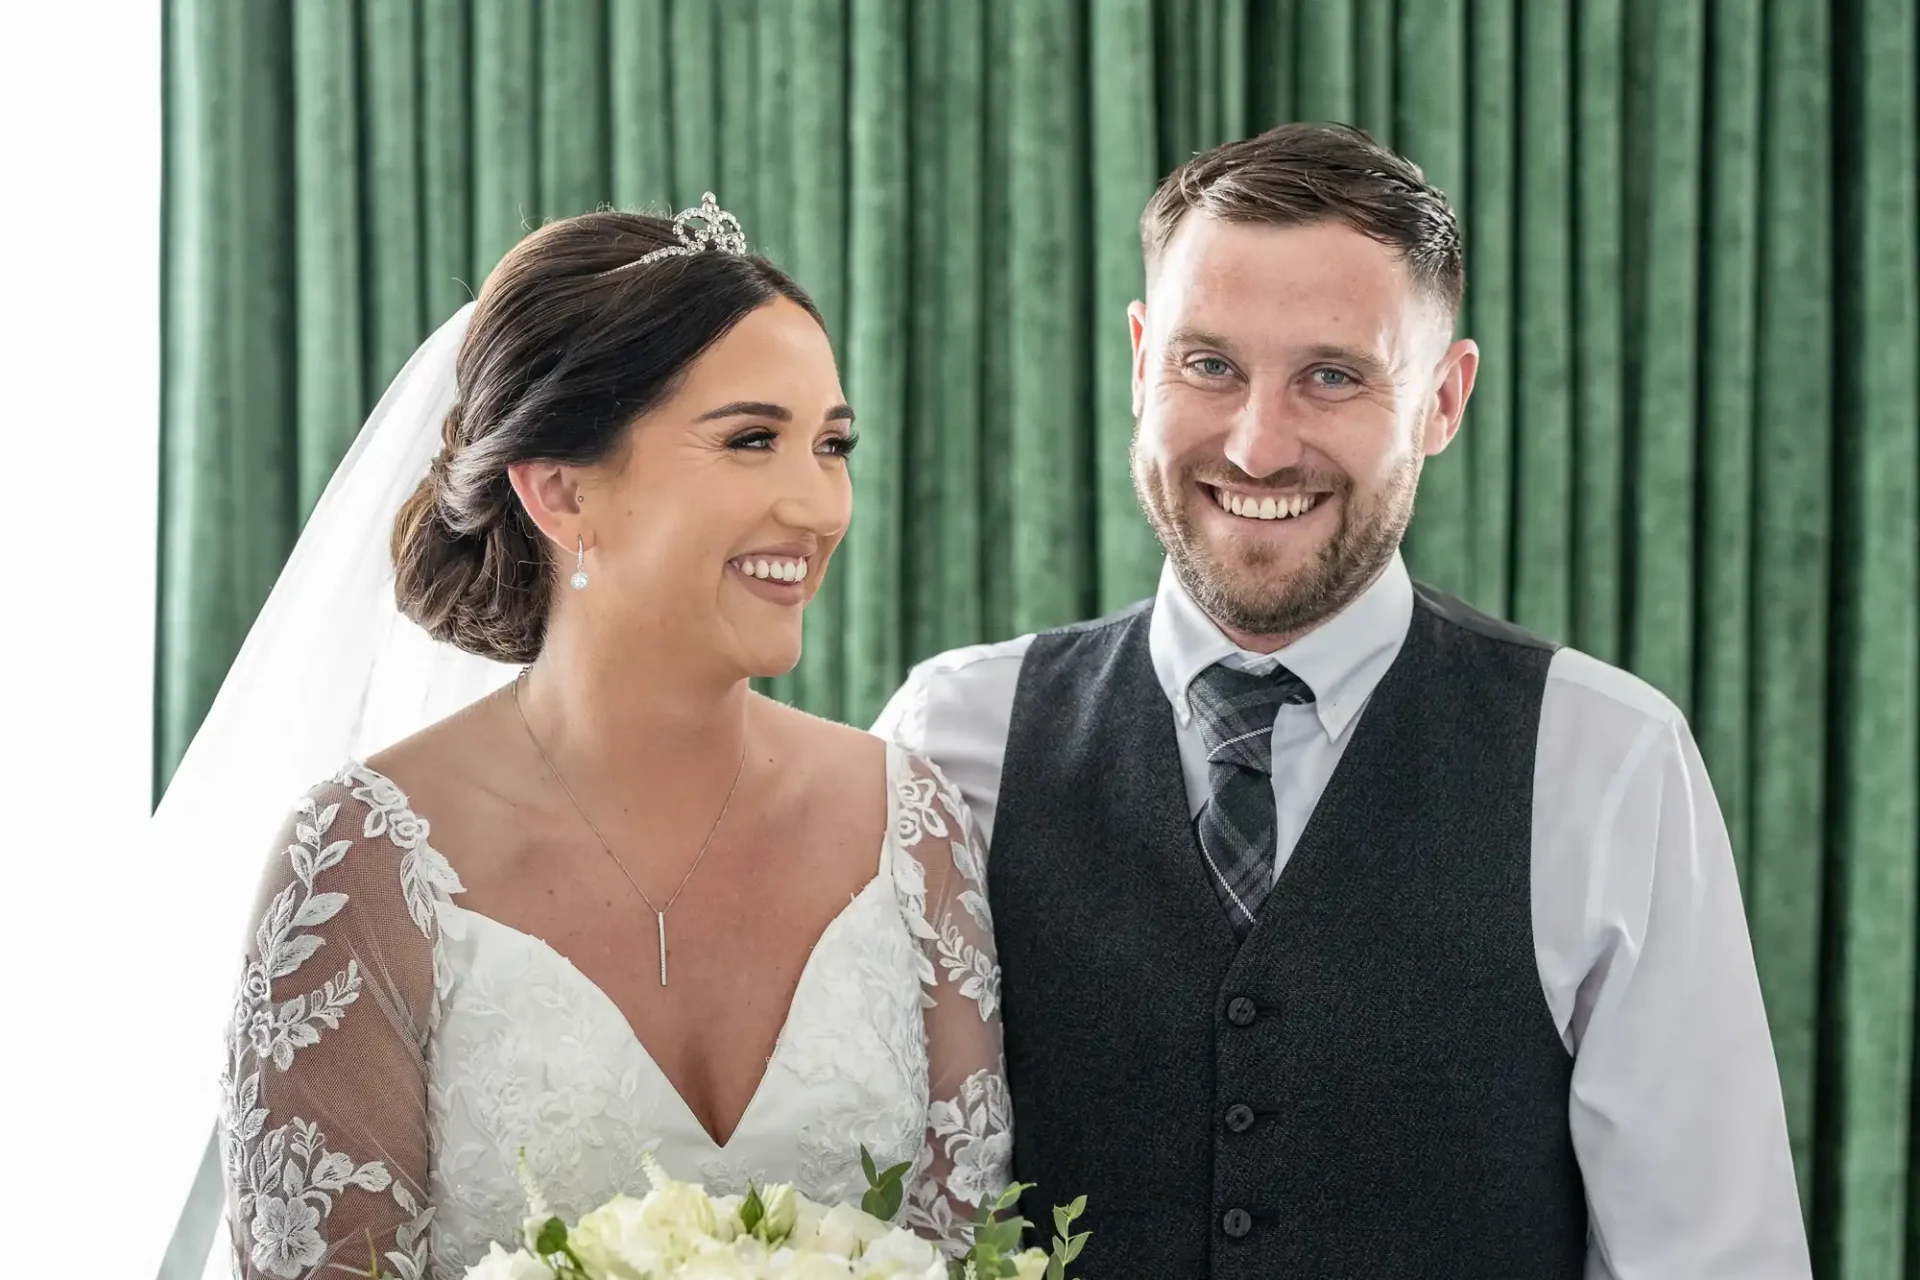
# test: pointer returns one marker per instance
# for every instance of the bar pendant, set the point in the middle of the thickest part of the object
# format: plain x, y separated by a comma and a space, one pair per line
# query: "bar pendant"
660, 920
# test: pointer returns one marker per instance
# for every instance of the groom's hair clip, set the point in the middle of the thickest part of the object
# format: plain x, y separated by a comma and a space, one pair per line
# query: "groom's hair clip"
1299, 174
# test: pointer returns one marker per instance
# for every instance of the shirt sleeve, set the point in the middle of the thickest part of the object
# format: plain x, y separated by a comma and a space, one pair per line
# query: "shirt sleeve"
954, 710
324, 1127
1676, 1111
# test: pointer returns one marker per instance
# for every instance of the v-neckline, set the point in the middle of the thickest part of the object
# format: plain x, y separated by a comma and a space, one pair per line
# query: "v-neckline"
639, 1044
881, 877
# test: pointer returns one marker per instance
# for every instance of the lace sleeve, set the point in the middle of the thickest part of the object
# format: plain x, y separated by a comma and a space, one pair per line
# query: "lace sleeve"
324, 1132
941, 865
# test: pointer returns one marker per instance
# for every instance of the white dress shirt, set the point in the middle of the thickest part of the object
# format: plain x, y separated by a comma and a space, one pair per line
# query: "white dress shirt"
1639, 935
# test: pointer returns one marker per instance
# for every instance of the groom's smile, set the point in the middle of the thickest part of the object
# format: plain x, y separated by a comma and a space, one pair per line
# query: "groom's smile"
1263, 507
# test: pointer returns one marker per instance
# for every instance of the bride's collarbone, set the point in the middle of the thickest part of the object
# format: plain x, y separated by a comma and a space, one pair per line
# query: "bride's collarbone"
747, 919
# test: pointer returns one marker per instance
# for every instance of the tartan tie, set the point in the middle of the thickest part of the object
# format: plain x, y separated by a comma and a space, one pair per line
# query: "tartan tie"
1234, 711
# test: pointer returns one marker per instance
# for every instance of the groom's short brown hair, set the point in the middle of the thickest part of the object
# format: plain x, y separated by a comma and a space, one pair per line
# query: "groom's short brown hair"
1298, 174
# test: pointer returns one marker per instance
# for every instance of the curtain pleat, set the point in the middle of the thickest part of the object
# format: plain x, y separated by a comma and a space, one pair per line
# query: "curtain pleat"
761, 164
1124, 174
950, 433
1543, 406
1270, 50
446, 160
1373, 54
1178, 90
1235, 69
1202, 42
923, 477
1003, 222
818, 229
694, 78
506, 128
573, 145
640, 93
1324, 60
1729, 351
875, 352
736, 67
1791, 556
229, 465
1599, 473
328, 269
394, 222
1430, 122
1694, 447
1491, 235
1663, 461
1864, 1124
1050, 476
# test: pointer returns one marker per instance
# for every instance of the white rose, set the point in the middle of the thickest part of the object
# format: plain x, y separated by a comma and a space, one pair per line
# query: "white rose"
847, 1231
615, 1243
806, 1224
726, 1218
718, 1262
681, 1209
901, 1255
1031, 1265
501, 1265
788, 1264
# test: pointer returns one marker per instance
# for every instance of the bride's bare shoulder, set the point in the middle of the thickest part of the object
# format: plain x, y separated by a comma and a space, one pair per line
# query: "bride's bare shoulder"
834, 749
445, 768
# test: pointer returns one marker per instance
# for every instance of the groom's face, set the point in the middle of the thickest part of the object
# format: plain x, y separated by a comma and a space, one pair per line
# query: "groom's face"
1289, 383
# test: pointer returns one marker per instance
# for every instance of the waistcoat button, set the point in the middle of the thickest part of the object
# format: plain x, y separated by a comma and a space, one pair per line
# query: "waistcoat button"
1239, 1117
1241, 1011
1237, 1223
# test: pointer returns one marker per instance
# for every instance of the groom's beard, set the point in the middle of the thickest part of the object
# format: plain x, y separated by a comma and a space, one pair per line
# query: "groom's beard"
1242, 588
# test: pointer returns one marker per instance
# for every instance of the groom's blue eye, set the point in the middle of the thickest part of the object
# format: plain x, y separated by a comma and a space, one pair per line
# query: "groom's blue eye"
1212, 367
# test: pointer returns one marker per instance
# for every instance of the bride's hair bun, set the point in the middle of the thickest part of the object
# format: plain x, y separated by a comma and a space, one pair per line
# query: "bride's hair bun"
569, 343
468, 564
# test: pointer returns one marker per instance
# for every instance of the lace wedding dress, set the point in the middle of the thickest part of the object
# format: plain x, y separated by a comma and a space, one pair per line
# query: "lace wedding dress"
392, 1054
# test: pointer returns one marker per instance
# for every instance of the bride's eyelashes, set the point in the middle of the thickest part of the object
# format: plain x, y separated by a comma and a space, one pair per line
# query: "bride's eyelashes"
840, 444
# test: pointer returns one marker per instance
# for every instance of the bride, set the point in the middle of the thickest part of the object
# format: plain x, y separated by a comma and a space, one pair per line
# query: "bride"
616, 903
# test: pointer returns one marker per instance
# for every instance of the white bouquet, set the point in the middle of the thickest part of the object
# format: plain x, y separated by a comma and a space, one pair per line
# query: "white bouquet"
679, 1232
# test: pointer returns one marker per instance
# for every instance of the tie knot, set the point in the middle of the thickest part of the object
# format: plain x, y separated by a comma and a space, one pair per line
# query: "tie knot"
1235, 710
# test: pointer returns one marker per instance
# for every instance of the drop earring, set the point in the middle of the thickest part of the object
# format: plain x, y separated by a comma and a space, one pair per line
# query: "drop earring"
579, 579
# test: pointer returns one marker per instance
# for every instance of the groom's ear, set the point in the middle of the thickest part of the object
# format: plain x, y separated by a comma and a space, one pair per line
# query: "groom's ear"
1137, 325
1453, 388
552, 496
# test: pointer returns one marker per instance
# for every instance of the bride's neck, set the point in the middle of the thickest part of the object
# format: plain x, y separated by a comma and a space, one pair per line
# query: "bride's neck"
669, 722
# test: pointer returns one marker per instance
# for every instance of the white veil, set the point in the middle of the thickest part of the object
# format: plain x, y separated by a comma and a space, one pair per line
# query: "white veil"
330, 672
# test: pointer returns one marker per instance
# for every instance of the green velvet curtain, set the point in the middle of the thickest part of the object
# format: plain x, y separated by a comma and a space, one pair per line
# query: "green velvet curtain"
1695, 447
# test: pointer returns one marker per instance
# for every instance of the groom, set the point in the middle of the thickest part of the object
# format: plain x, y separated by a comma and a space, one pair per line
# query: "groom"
1346, 932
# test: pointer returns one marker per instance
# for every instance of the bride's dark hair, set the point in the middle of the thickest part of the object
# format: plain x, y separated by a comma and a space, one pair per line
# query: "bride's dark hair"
569, 343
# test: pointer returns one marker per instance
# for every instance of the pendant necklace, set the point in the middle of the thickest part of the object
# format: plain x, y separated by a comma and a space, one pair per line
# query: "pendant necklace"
659, 913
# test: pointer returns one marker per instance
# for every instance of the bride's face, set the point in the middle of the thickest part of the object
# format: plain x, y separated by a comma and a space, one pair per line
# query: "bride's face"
714, 526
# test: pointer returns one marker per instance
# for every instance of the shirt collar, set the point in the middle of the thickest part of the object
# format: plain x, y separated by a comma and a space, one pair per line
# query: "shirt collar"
1341, 660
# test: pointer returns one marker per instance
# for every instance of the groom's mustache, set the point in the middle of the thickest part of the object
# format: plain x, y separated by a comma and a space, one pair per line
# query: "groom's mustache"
1286, 480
